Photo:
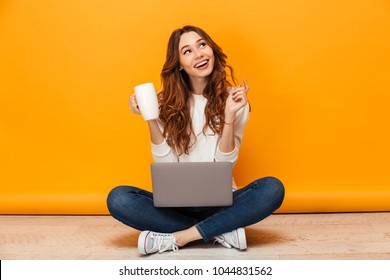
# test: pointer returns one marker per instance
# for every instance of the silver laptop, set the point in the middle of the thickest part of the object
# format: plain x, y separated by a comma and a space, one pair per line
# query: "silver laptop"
192, 184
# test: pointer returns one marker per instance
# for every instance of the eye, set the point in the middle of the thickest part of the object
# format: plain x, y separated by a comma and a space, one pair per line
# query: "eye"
202, 45
187, 52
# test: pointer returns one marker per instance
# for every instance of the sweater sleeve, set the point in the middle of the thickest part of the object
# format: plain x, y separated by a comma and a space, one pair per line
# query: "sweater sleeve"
163, 152
240, 122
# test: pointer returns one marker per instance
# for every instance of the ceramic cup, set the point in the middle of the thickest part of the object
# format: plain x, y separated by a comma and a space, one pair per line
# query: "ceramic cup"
147, 101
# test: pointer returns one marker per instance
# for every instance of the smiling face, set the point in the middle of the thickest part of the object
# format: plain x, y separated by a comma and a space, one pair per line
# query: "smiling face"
196, 57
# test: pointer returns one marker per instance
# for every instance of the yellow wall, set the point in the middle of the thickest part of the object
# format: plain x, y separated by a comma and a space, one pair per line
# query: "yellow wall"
319, 74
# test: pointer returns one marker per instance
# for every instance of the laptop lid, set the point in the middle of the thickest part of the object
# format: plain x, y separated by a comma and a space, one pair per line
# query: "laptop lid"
192, 184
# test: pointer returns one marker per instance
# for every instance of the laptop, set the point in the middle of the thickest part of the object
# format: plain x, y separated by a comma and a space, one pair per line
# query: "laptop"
192, 184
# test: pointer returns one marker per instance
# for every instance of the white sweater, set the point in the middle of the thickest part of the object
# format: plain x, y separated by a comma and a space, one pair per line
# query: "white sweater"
206, 147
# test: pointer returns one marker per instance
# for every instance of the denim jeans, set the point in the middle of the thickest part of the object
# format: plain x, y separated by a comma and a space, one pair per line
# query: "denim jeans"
251, 204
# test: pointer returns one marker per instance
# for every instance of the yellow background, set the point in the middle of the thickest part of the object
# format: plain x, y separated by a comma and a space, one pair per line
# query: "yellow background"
319, 75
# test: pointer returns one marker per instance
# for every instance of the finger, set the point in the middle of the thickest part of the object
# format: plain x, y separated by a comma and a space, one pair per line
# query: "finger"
239, 91
135, 111
239, 95
133, 104
246, 84
133, 99
132, 109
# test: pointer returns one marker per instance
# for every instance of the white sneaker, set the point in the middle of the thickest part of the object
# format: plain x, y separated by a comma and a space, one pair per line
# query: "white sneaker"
151, 242
235, 238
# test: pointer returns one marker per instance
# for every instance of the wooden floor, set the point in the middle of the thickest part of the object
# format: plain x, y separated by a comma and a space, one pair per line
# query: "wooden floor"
281, 236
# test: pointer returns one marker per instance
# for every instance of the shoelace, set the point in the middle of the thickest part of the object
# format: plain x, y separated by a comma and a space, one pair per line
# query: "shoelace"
222, 240
164, 242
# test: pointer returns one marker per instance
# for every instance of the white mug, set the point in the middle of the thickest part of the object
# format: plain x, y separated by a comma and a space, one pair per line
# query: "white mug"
147, 101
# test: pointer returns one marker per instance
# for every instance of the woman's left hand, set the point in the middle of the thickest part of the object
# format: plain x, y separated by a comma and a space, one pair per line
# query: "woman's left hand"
236, 100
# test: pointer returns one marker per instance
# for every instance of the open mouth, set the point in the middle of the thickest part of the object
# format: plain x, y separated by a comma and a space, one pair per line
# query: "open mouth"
201, 65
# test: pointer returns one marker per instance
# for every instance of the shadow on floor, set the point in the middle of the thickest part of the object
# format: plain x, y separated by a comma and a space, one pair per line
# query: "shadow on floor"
255, 237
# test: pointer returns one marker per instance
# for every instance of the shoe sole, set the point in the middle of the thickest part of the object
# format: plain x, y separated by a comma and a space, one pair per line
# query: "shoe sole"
142, 242
241, 238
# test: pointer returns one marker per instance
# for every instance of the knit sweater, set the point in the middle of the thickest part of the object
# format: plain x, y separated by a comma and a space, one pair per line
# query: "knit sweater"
206, 147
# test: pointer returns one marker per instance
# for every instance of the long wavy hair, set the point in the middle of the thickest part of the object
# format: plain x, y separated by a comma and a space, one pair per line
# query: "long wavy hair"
174, 98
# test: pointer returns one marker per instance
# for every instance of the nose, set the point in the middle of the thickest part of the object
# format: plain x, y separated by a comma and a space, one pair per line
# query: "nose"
198, 53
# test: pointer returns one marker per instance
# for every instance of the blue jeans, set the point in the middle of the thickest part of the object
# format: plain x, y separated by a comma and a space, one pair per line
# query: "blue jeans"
251, 204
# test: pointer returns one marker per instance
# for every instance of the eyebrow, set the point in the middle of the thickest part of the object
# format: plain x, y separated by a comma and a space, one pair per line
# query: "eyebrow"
200, 39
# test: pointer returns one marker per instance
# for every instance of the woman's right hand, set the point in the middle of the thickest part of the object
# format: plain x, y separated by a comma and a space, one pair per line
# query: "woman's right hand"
134, 105
135, 109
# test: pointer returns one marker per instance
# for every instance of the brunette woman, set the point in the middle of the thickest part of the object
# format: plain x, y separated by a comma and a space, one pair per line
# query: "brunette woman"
203, 114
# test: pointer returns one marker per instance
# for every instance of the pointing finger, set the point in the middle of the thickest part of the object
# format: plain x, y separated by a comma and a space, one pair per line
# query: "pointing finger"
246, 85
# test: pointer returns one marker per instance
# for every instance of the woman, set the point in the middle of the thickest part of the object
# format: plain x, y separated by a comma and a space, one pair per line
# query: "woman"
202, 118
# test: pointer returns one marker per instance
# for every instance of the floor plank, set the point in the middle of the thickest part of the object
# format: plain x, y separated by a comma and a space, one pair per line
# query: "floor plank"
352, 236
